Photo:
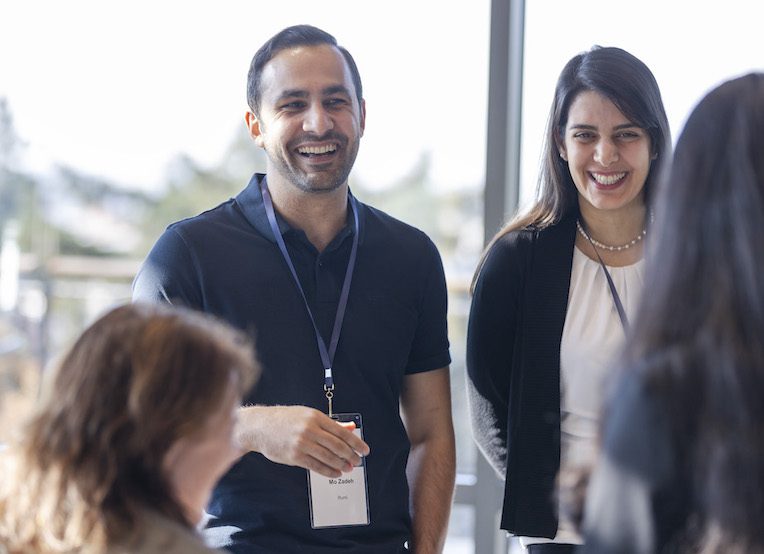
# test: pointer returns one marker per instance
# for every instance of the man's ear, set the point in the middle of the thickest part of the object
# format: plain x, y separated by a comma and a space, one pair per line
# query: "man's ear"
253, 125
363, 115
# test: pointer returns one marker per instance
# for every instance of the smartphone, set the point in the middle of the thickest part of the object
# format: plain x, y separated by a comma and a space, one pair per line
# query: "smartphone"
356, 419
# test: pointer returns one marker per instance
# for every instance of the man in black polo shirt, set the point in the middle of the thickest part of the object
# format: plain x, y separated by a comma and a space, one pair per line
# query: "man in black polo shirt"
349, 310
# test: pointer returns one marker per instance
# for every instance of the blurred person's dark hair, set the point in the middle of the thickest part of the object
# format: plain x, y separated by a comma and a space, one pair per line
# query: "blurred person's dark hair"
698, 333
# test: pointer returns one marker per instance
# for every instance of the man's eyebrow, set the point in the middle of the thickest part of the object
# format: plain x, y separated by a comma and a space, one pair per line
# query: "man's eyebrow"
335, 89
301, 93
292, 93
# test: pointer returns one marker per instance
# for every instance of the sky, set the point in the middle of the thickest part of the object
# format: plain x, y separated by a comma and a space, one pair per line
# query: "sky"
689, 45
117, 89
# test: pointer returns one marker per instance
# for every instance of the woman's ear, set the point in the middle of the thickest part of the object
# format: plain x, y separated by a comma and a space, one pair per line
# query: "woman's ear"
561, 148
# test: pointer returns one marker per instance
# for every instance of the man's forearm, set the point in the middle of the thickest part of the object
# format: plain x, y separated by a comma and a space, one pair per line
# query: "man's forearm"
431, 473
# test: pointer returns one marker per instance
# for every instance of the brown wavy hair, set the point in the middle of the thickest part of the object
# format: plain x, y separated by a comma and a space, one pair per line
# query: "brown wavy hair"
90, 460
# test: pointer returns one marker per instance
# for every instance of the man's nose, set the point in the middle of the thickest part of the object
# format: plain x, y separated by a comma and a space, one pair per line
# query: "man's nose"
317, 120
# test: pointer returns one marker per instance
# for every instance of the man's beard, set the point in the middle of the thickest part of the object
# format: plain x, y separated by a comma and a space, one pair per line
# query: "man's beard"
317, 181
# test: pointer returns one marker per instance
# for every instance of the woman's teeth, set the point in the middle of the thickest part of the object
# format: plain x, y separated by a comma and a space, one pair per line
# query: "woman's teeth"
609, 179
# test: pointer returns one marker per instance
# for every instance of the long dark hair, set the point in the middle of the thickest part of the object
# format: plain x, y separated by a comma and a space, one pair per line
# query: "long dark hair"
629, 84
90, 461
699, 333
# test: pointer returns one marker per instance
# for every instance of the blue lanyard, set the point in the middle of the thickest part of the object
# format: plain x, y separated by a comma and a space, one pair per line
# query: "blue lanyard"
327, 356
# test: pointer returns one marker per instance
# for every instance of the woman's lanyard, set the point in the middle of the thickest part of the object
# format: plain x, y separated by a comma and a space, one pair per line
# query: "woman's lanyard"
613, 291
327, 356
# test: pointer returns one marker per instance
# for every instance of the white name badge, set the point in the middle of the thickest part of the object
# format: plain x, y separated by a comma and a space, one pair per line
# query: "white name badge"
340, 501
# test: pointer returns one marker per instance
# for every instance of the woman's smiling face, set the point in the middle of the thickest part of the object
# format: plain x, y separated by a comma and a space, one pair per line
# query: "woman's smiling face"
608, 156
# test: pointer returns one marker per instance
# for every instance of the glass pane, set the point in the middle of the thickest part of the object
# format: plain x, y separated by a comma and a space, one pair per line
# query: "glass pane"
461, 530
105, 139
722, 41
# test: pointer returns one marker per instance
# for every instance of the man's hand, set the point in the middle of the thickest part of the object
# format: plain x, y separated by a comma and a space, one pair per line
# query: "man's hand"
300, 436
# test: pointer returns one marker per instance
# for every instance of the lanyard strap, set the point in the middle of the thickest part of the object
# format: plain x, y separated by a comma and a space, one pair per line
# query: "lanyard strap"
327, 356
613, 291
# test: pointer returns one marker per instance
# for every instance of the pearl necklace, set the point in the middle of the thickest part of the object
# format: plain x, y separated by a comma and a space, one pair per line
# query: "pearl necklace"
597, 243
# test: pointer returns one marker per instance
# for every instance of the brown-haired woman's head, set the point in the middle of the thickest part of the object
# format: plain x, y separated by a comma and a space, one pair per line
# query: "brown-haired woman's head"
138, 383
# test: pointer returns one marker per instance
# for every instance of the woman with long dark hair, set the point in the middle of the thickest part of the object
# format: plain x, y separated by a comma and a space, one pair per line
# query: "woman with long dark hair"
135, 429
555, 288
682, 468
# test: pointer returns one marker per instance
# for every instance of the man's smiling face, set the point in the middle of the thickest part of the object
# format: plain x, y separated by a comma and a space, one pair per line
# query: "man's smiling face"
310, 122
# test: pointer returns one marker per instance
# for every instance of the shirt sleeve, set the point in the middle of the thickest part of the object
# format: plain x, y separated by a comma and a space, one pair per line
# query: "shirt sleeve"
169, 273
491, 334
632, 490
430, 347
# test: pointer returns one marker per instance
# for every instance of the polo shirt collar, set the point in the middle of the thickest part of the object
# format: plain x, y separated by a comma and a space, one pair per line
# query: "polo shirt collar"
250, 200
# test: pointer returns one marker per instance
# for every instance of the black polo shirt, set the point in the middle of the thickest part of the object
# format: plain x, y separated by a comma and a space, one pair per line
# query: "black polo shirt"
226, 262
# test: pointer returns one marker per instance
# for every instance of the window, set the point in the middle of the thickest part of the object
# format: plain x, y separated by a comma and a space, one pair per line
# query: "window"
116, 124
689, 47
106, 138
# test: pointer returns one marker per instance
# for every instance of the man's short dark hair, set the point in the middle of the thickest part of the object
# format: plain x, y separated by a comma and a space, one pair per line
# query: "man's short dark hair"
292, 37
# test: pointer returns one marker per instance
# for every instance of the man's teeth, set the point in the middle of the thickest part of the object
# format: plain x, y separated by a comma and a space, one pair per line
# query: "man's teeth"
317, 149
609, 179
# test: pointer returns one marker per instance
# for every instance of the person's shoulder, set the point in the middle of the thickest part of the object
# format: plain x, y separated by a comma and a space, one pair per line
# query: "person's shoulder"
516, 239
383, 229
513, 252
504, 262
377, 218
160, 535
512, 247
520, 240
221, 213
214, 226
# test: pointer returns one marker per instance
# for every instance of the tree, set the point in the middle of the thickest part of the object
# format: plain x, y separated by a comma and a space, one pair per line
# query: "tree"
10, 143
192, 189
18, 190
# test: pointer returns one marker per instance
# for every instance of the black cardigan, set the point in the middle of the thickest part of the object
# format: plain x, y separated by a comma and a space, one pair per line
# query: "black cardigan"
513, 367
